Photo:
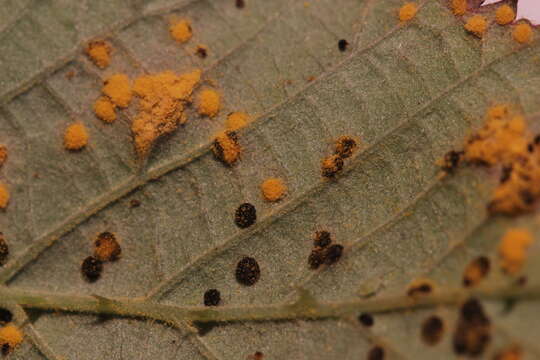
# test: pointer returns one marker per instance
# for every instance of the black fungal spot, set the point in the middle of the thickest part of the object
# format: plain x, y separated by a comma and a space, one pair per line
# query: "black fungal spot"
256, 356
212, 297
376, 353
476, 271
322, 239
343, 44
204, 328
333, 254
505, 174
331, 166
91, 269
420, 289
366, 319
537, 140
345, 147
316, 258
240, 4
134, 203
472, 333
451, 160
248, 271
6, 349
230, 141
5, 316
432, 330
245, 215
201, 52
4, 250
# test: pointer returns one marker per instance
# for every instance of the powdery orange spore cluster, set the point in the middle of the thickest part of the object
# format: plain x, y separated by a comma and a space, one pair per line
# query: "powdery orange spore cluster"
408, 11
513, 249
75, 136
273, 189
100, 53
522, 33
504, 15
476, 25
181, 31
237, 120
226, 147
459, 7
4, 196
105, 109
118, 89
162, 98
10, 336
209, 102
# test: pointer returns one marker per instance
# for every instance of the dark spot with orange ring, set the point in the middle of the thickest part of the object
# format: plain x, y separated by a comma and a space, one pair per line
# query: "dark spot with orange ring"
451, 160
476, 271
512, 352
91, 269
342, 45
322, 239
212, 297
256, 356
133, 203
333, 254
4, 250
432, 330
240, 4
248, 271
331, 166
366, 319
345, 146
472, 333
201, 51
245, 215
376, 353
107, 247
420, 288
5, 316
316, 258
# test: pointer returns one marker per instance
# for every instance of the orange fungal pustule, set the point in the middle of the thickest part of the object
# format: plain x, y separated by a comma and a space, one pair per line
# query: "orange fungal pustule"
118, 89
107, 247
226, 147
162, 99
105, 109
273, 189
522, 33
209, 102
504, 15
75, 136
99, 53
513, 249
181, 30
10, 337
459, 7
476, 25
4, 196
408, 11
237, 120
3, 154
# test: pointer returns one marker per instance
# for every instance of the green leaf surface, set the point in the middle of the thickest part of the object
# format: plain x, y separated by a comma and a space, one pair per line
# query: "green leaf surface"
409, 91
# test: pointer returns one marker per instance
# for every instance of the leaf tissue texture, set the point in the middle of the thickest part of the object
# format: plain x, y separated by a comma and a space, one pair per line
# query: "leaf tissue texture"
408, 92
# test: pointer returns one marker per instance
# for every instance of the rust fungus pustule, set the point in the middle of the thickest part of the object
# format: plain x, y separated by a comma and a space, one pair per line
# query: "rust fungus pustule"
10, 337
107, 247
331, 166
504, 15
408, 11
237, 120
75, 137
3, 154
104, 109
432, 330
91, 269
345, 146
117, 87
473, 330
209, 102
99, 53
248, 271
476, 25
513, 249
181, 30
226, 147
273, 189
476, 271
459, 7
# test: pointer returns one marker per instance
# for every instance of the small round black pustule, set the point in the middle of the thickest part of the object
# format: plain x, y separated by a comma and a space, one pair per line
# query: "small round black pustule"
245, 215
91, 269
248, 271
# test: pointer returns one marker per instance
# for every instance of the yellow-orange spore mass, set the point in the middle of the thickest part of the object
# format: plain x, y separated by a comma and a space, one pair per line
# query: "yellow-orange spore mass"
513, 352
273, 189
4, 196
162, 98
105, 109
10, 337
209, 102
3, 154
504, 15
476, 25
459, 7
408, 11
107, 247
522, 33
100, 53
118, 89
181, 31
513, 249
476, 271
505, 141
237, 120
226, 147
75, 137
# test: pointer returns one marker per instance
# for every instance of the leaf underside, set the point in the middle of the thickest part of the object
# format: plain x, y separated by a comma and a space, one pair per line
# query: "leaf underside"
410, 92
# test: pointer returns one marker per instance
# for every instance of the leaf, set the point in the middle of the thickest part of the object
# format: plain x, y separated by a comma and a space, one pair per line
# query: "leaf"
409, 91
